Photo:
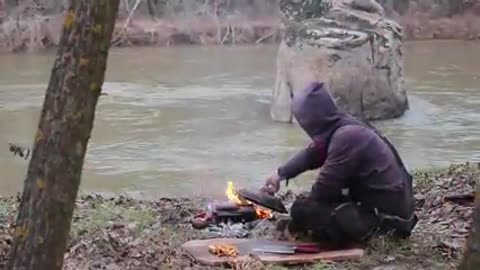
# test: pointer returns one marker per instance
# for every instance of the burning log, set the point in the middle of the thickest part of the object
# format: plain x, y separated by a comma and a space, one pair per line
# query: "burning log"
236, 209
233, 196
224, 213
241, 214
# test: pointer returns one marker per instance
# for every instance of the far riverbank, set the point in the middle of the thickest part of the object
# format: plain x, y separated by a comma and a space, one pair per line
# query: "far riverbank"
39, 33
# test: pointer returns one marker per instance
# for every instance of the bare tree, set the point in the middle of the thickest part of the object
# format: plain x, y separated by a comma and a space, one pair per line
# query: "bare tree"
65, 125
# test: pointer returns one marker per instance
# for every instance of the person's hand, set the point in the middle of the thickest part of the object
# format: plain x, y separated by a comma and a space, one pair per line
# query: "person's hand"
272, 184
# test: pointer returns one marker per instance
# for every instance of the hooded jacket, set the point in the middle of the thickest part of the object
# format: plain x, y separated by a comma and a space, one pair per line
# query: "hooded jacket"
351, 155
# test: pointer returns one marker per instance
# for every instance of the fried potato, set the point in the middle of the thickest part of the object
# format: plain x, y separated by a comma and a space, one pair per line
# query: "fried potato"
222, 250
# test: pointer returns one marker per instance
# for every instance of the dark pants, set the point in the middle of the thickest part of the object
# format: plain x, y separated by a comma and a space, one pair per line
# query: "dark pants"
336, 224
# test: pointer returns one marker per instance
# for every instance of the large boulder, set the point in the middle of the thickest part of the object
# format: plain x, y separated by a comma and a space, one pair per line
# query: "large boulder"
348, 44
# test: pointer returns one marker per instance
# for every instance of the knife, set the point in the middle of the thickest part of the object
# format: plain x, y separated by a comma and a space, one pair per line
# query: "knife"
284, 249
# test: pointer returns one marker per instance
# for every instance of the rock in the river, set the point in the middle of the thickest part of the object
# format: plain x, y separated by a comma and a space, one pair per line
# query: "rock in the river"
348, 44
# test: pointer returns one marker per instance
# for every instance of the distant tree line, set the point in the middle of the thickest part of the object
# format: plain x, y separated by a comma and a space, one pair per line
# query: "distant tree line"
163, 8
33, 24
157, 8
435, 7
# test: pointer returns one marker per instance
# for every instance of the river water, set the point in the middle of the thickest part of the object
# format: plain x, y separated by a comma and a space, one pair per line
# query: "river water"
185, 120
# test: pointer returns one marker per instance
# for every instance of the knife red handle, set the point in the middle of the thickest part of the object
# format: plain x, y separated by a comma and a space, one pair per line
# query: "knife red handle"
307, 248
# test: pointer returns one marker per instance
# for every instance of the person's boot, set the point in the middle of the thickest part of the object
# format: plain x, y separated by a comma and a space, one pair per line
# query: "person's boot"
282, 228
288, 231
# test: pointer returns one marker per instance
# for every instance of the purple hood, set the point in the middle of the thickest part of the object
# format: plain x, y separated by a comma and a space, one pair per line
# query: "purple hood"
316, 112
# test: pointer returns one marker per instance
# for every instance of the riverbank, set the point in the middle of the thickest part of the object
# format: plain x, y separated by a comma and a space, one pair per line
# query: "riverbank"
44, 32
122, 233
37, 33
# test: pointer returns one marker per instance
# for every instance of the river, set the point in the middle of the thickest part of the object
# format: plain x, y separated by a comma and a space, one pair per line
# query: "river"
183, 121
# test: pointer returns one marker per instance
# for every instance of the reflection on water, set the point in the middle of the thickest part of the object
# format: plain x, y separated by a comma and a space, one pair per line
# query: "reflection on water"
185, 120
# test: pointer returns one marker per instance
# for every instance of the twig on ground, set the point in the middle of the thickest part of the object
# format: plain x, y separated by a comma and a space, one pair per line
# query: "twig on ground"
265, 37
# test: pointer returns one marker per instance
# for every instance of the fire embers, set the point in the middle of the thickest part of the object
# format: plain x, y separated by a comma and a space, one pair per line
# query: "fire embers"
236, 209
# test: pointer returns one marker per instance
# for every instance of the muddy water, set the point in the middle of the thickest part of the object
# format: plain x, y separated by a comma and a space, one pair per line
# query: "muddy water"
182, 120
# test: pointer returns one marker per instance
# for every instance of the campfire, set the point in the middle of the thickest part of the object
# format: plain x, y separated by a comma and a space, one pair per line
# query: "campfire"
233, 196
236, 209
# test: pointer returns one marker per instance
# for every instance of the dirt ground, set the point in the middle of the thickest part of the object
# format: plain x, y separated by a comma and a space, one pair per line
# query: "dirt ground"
122, 233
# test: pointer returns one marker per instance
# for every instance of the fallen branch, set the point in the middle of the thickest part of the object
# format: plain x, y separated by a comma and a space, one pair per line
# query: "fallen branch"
226, 35
461, 198
264, 37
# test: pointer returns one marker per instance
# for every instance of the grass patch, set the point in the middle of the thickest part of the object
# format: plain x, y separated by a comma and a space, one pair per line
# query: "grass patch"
6, 209
100, 215
427, 178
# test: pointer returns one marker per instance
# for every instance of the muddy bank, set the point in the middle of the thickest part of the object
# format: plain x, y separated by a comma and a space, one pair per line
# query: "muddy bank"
122, 233
37, 33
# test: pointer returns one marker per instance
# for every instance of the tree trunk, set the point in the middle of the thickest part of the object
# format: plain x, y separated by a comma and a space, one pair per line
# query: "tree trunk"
151, 8
54, 172
471, 258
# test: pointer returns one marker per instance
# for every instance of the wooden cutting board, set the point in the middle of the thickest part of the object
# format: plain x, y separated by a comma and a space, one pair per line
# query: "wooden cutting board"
198, 249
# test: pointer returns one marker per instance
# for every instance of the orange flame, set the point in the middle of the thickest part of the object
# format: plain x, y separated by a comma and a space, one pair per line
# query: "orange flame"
233, 196
263, 213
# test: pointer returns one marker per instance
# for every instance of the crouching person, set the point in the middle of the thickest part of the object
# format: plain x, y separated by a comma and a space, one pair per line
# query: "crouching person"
362, 187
